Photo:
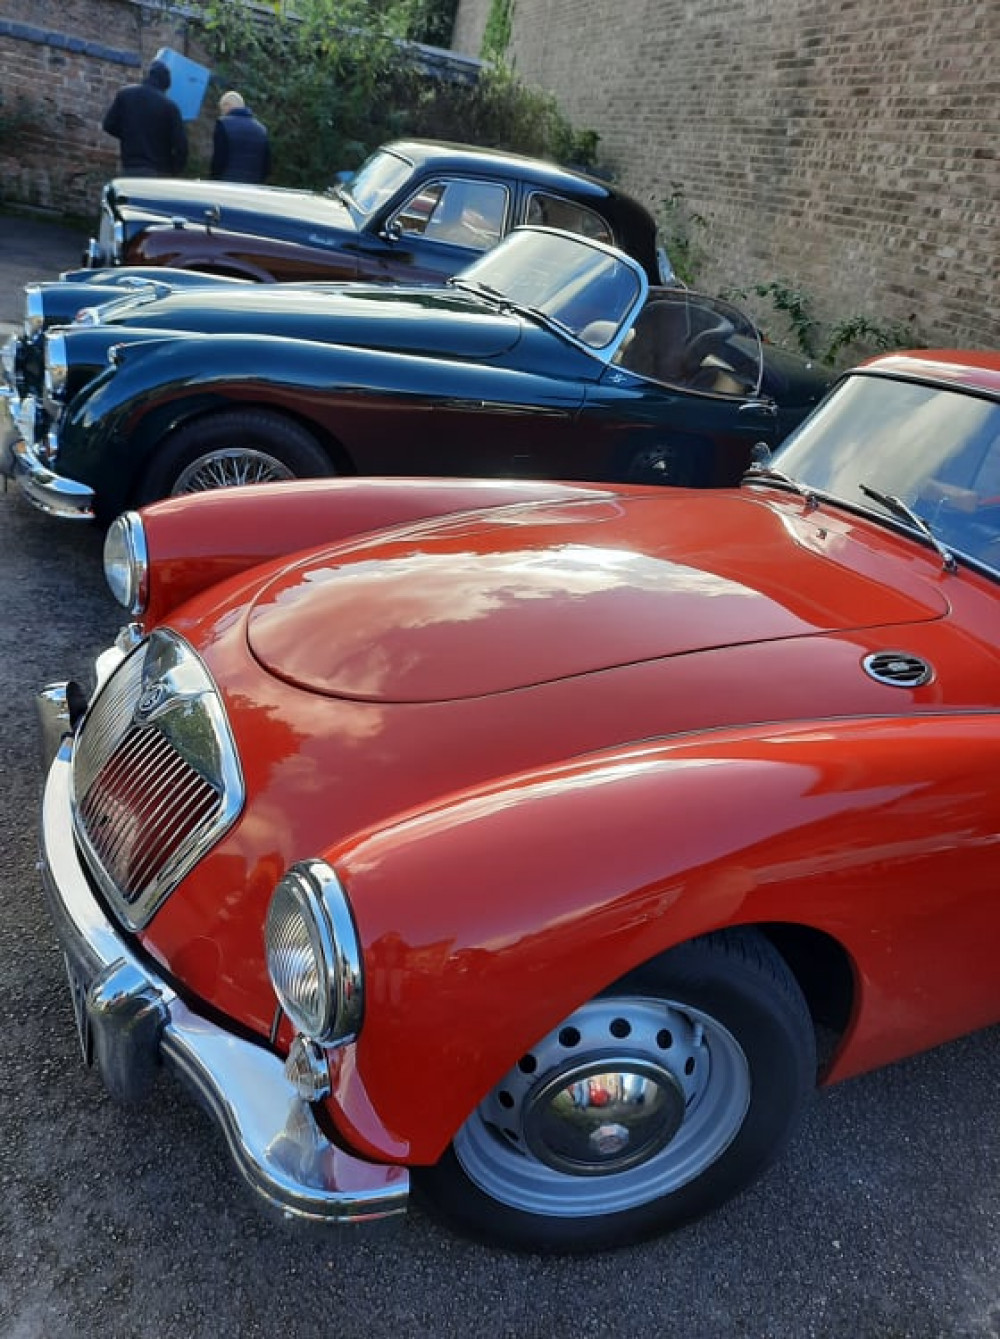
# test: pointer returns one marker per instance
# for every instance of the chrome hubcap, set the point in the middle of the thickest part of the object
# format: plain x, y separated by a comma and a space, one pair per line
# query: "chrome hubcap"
629, 1099
228, 469
604, 1116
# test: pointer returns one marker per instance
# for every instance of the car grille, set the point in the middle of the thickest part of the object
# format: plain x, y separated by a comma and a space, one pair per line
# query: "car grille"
156, 779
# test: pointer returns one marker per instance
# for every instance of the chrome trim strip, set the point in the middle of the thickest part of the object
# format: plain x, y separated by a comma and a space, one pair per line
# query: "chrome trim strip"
271, 1133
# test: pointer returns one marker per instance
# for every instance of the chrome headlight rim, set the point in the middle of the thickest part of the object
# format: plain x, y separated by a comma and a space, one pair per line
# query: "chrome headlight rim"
56, 365
311, 890
126, 562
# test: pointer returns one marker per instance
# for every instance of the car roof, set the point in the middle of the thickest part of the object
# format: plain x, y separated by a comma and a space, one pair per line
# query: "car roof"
468, 157
970, 369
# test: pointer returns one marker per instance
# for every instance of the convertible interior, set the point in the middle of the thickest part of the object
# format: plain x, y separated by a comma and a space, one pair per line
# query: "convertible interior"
685, 343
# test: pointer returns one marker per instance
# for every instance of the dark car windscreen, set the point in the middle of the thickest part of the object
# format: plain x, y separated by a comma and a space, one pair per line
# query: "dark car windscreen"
377, 180
586, 290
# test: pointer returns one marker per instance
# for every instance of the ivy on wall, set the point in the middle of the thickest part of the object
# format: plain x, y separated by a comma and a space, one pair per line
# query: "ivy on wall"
496, 34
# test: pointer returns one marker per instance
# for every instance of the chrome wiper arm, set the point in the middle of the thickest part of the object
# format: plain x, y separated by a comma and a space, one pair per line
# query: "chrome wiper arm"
906, 513
762, 471
482, 290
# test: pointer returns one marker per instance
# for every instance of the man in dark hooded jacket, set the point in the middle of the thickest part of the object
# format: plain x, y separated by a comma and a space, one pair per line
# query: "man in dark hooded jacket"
241, 149
148, 126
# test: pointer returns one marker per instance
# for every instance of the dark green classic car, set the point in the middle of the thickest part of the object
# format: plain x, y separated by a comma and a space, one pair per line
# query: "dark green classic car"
550, 357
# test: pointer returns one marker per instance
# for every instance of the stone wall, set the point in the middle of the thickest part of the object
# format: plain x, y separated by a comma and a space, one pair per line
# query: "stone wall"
62, 62
847, 150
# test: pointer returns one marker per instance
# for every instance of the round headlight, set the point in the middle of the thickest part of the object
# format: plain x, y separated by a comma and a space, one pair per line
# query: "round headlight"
313, 954
126, 562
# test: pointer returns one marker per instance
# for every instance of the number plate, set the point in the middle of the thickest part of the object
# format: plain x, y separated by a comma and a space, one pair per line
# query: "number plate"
78, 995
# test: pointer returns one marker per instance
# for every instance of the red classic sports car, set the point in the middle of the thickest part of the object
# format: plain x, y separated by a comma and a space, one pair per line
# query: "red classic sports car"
540, 843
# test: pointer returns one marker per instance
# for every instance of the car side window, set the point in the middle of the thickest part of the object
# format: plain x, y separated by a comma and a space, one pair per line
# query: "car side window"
551, 211
467, 213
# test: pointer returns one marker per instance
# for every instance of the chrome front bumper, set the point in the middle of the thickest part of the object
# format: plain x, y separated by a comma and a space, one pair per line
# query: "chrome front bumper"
131, 1021
19, 460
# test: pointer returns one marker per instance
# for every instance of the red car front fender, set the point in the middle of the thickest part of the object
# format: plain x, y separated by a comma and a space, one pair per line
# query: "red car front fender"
486, 921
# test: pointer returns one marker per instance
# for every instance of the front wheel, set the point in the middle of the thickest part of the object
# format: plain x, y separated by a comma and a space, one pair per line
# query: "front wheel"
648, 1106
246, 446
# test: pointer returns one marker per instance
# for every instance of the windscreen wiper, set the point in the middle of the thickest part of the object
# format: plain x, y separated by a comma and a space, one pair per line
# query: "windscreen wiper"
906, 513
759, 470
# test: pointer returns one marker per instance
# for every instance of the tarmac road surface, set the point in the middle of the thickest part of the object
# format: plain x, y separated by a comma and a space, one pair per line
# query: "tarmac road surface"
881, 1221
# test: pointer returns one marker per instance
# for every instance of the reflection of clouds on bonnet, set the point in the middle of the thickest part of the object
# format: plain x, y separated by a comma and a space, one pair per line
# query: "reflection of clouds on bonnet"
431, 626
461, 587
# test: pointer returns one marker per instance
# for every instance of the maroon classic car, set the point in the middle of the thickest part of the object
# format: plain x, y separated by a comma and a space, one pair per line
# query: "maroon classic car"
417, 210
544, 844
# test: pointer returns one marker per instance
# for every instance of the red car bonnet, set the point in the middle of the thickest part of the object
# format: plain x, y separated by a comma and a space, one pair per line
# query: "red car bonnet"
464, 608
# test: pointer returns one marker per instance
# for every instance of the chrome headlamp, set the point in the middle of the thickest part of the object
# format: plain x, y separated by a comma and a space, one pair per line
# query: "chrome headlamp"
313, 954
126, 562
56, 366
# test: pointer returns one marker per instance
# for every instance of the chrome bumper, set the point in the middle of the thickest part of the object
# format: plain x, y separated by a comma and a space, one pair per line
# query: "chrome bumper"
19, 460
133, 1021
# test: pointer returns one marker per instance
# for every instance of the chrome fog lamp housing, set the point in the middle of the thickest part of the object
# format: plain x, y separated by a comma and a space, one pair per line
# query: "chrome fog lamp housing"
314, 955
126, 562
34, 311
56, 366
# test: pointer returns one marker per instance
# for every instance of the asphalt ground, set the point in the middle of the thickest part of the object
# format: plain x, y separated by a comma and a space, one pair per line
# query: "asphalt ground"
881, 1220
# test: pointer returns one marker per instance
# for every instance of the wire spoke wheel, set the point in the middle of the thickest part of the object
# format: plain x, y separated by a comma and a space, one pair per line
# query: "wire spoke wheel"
228, 468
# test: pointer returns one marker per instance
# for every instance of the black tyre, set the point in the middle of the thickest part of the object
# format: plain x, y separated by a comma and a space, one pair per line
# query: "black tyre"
647, 1107
241, 446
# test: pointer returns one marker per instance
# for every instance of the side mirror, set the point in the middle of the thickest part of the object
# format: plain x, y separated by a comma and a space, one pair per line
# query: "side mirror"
392, 232
760, 453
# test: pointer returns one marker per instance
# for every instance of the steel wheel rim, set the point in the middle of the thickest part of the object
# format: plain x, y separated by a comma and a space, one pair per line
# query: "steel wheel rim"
695, 1050
230, 468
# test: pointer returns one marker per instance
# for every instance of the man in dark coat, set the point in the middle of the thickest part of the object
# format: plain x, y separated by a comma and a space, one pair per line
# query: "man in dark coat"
241, 149
148, 126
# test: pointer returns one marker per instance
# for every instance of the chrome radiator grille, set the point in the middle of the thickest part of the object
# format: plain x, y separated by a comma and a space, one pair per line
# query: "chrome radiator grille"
155, 776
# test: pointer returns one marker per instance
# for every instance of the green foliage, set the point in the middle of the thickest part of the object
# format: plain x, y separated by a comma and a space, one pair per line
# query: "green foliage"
793, 304
859, 336
849, 341
496, 33
678, 226
428, 21
334, 79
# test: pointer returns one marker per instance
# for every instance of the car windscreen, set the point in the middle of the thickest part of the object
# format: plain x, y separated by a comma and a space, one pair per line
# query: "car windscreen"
586, 290
934, 449
377, 180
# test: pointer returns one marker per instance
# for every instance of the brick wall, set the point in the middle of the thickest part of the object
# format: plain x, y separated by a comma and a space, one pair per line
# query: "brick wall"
62, 62
845, 148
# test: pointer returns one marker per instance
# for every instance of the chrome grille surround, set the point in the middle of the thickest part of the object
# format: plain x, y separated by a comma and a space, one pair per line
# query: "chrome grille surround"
156, 778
